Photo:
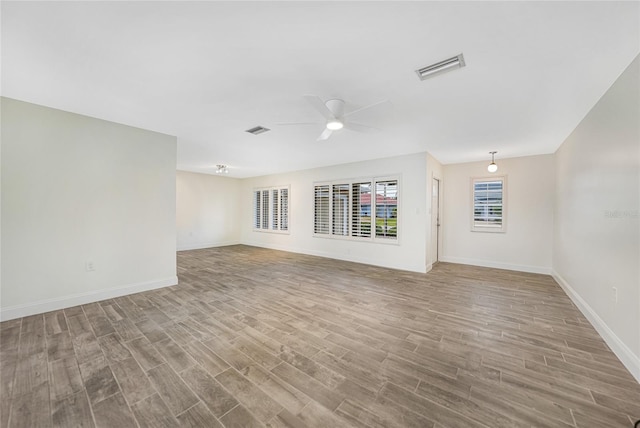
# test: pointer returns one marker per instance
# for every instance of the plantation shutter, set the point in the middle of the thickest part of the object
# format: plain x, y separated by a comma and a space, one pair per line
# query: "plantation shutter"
361, 209
256, 210
274, 209
284, 209
386, 209
321, 209
340, 209
488, 203
271, 209
265, 209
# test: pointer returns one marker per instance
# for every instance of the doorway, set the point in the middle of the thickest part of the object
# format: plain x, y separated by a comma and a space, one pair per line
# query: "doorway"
435, 220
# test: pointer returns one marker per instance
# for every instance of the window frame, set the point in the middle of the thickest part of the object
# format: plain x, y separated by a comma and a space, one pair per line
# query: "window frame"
374, 194
489, 229
324, 213
349, 183
277, 220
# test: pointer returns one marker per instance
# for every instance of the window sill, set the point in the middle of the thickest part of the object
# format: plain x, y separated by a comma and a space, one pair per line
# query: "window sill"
384, 241
489, 230
277, 232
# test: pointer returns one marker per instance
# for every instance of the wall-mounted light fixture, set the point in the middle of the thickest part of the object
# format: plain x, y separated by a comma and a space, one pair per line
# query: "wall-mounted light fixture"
492, 166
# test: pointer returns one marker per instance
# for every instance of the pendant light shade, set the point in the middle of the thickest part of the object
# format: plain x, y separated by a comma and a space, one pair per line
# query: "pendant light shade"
492, 166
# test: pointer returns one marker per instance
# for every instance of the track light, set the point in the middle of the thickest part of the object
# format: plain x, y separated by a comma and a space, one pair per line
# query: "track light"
222, 169
492, 166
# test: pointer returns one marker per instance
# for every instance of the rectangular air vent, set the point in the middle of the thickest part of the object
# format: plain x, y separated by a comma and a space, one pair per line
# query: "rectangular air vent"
441, 67
257, 130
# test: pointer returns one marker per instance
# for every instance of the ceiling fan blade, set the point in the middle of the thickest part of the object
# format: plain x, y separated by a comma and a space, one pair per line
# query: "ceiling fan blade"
361, 128
325, 134
379, 103
299, 123
319, 105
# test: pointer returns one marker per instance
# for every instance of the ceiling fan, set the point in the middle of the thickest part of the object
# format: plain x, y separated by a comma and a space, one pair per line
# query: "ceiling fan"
335, 117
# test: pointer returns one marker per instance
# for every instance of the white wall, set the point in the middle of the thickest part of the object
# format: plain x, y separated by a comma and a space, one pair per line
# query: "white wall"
408, 254
76, 190
207, 210
597, 216
526, 244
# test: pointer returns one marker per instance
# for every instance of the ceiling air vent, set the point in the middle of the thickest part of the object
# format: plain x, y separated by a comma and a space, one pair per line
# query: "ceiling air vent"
257, 130
441, 67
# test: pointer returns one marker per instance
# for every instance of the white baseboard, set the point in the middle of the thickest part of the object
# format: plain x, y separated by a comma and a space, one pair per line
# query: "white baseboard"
187, 247
622, 351
344, 257
57, 303
497, 265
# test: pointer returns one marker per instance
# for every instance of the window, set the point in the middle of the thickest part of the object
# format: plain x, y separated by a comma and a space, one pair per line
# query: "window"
348, 209
284, 209
340, 216
361, 210
271, 209
257, 224
488, 204
274, 210
387, 209
265, 209
321, 210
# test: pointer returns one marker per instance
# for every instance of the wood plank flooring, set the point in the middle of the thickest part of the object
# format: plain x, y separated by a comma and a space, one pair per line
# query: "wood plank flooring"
254, 337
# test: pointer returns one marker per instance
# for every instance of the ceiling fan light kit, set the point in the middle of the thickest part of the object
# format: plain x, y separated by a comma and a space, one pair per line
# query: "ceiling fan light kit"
335, 117
334, 125
433, 70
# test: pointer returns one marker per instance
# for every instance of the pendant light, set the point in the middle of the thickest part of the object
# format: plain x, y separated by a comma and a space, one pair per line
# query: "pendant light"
492, 166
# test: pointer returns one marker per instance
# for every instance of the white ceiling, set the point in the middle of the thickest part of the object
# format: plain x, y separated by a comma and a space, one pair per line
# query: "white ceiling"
207, 71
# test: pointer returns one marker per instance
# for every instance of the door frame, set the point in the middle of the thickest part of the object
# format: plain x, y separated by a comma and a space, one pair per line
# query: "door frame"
437, 212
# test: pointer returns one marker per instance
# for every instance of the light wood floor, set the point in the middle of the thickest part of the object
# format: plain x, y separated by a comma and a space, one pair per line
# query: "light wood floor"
254, 337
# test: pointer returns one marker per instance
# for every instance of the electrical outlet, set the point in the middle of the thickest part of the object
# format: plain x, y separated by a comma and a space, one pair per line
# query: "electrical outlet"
89, 266
614, 295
